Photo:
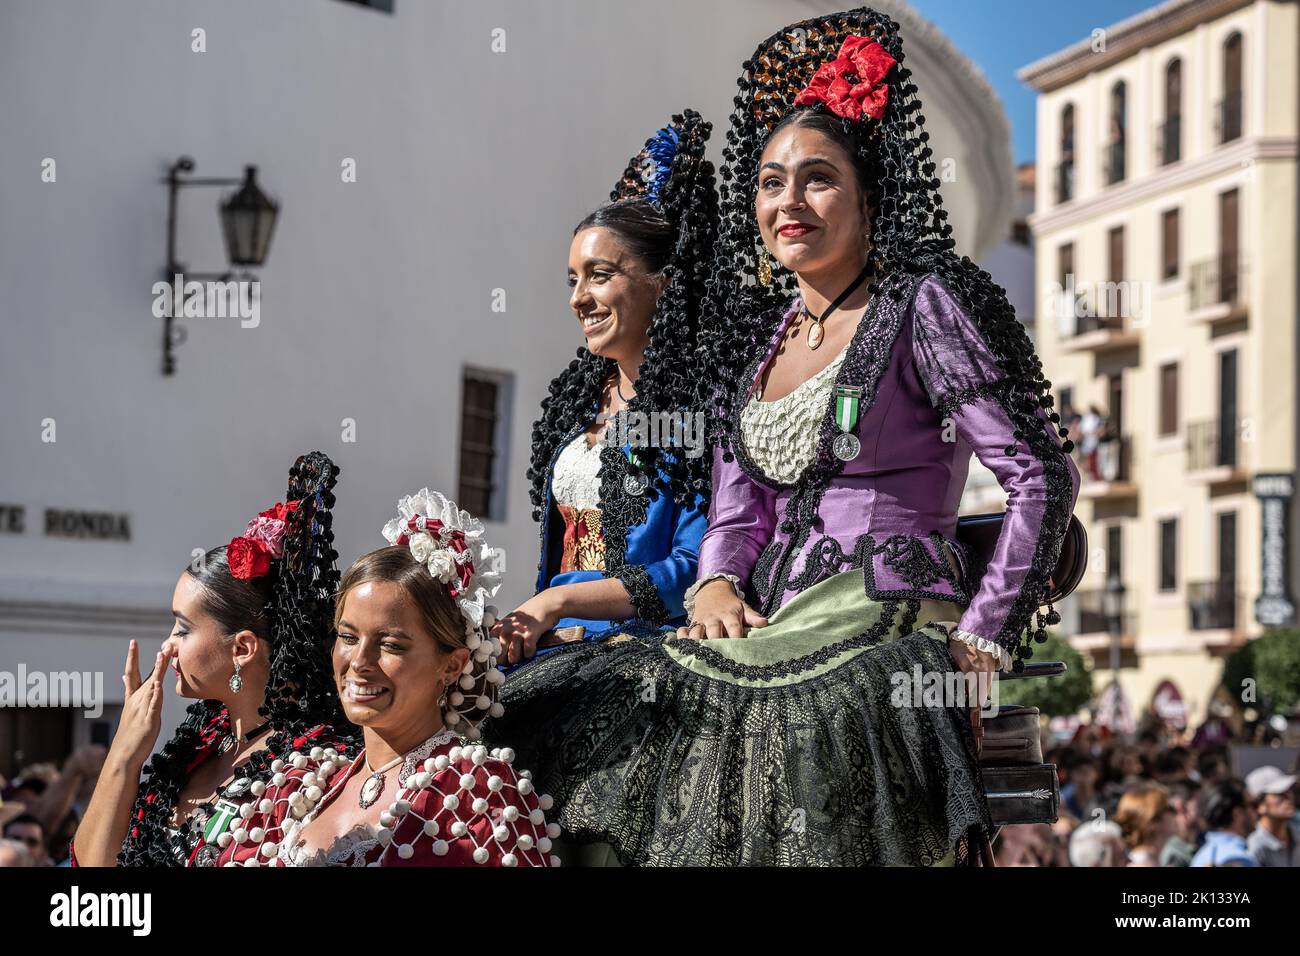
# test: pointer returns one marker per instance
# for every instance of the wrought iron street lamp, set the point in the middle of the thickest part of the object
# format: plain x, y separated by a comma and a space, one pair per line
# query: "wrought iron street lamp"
247, 223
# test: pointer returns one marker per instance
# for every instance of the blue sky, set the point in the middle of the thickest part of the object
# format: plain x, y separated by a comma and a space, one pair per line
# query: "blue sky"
1004, 35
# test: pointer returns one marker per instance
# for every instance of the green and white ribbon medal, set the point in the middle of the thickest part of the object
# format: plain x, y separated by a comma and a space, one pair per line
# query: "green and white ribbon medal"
224, 812
848, 399
635, 484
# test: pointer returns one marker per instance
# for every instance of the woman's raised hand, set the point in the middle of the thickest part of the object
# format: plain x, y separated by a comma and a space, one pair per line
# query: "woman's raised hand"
141, 721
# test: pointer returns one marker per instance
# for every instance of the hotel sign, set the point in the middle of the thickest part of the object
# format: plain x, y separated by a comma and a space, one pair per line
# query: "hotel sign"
1275, 605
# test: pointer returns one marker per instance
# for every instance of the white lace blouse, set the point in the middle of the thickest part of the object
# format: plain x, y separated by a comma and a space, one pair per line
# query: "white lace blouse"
781, 435
575, 481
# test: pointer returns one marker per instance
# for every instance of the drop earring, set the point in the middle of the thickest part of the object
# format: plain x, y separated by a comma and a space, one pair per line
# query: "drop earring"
236, 682
764, 268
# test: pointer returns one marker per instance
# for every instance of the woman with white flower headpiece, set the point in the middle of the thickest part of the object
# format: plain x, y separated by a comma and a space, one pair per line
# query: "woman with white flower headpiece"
415, 668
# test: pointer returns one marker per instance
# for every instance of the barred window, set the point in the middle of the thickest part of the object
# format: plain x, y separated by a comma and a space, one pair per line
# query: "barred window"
484, 440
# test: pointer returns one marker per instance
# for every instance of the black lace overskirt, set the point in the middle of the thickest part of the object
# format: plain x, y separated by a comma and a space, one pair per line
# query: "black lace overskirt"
674, 767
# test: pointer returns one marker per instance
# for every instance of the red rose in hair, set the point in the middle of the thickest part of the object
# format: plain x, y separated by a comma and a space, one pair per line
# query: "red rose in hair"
852, 83
248, 558
279, 512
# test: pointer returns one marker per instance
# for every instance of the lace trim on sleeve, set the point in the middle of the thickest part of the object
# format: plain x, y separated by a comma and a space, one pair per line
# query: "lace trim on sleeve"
983, 644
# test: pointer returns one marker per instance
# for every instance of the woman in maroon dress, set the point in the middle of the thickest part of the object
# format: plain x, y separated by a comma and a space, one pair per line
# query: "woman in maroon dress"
415, 668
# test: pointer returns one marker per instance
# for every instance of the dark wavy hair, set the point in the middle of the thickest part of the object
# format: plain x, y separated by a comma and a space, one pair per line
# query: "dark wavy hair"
910, 237
672, 234
292, 607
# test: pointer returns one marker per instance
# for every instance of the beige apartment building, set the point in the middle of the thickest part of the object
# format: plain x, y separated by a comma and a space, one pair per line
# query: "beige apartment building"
1165, 238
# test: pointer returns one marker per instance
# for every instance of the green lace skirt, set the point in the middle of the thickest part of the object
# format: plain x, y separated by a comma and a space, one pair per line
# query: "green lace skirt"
790, 746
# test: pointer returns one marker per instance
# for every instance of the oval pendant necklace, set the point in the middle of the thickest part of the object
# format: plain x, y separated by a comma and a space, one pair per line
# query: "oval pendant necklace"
815, 333
374, 785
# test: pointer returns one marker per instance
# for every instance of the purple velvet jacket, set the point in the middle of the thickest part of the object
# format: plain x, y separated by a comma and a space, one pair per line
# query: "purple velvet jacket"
933, 395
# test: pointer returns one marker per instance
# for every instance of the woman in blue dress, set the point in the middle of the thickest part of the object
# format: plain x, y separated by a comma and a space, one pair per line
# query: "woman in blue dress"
619, 473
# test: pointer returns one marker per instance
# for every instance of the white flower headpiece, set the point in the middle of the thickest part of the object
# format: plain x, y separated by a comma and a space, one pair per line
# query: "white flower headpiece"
449, 542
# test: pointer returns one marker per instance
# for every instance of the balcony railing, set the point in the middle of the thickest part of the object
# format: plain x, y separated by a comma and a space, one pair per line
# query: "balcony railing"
1212, 605
1065, 181
1215, 443
1216, 281
1091, 609
1227, 118
1112, 163
1084, 324
1169, 141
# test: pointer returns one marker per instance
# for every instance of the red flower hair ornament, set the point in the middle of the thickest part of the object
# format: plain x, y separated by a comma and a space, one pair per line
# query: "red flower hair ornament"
852, 84
250, 555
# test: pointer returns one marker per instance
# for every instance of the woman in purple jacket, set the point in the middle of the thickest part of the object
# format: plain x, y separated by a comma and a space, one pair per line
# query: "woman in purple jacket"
783, 724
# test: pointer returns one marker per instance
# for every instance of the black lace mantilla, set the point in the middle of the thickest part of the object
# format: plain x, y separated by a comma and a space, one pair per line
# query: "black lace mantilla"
675, 768
620, 512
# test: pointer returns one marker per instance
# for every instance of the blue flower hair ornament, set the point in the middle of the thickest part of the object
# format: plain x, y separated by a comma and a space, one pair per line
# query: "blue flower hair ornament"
649, 172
